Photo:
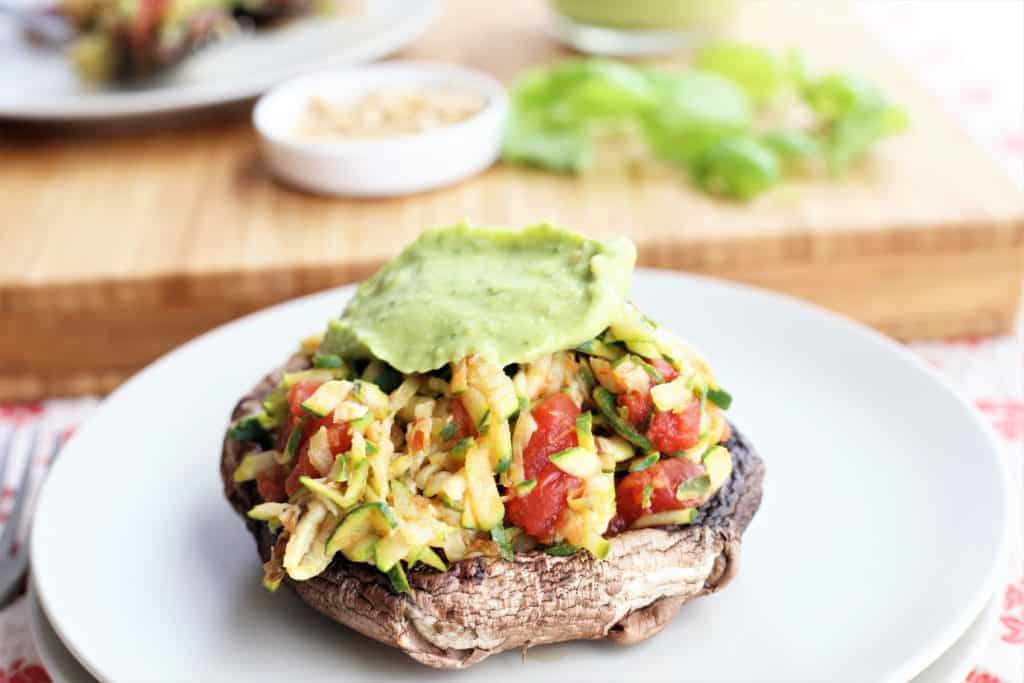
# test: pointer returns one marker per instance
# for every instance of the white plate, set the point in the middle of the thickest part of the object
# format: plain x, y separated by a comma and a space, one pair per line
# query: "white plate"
39, 83
956, 663
878, 542
59, 663
952, 667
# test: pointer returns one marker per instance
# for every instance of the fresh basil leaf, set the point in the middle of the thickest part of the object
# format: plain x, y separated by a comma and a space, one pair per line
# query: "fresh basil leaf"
758, 72
739, 167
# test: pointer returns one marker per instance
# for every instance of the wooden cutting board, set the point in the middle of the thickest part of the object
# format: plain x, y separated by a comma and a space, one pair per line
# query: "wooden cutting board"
120, 243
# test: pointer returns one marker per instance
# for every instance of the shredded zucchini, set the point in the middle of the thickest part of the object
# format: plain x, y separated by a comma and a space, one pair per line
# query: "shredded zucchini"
417, 484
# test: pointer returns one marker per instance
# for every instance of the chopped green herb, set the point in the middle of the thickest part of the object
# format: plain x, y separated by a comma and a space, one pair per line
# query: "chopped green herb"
646, 501
292, 446
720, 397
329, 360
643, 463
448, 432
606, 404
561, 550
248, 429
461, 446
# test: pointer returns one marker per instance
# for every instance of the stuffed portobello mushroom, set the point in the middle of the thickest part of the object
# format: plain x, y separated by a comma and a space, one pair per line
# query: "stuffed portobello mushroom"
492, 448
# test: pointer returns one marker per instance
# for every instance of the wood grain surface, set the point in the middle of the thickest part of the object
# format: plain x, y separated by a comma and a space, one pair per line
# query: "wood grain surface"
121, 241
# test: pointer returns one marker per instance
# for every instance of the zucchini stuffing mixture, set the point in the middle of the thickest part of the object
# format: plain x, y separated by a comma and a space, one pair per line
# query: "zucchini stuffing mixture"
480, 456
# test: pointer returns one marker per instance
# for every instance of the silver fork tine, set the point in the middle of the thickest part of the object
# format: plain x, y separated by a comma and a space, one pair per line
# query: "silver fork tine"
14, 518
8, 445
13, 565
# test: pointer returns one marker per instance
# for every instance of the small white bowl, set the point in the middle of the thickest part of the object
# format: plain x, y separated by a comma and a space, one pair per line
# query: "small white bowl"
386, 166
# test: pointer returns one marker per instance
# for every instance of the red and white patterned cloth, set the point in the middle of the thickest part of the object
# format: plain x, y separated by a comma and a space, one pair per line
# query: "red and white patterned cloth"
970, 54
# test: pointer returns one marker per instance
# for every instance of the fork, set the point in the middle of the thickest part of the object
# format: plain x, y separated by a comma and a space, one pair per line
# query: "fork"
14, 555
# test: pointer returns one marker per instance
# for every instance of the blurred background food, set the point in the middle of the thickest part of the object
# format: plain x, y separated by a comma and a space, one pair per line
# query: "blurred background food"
128, 41
396, 111
737, 119
755, 141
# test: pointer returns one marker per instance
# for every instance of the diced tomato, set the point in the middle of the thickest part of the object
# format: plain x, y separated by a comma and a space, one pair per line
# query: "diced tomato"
664, 368
147, 20
270, 485
539, 511
299, 392
463, 423
339, 438
638, 403
664, 477
556, 430
418, 441
303, 468
670, 432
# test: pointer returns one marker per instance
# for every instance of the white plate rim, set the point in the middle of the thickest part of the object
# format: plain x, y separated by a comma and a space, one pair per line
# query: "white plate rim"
38, 622
910, 667
106, 105
956, 668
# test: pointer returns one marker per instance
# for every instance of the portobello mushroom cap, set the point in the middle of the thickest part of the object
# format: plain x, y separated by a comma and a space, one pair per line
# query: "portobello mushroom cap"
482, 606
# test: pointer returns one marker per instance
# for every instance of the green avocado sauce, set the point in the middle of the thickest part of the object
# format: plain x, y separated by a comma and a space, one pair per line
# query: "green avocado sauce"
506, 295
646, 14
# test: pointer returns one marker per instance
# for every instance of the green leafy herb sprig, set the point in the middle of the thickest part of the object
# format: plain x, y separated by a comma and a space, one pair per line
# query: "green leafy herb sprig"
739, 119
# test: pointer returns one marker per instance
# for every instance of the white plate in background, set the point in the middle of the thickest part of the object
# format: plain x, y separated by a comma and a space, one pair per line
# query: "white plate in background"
880, 538
40, 83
